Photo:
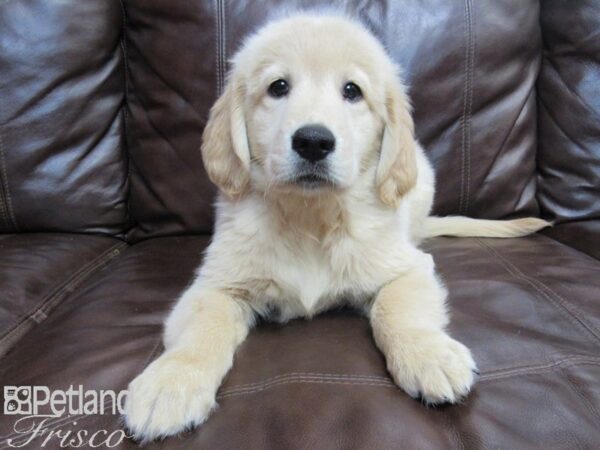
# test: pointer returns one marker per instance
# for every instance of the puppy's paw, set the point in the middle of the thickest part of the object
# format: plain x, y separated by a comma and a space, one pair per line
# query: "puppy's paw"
432, 367
173, 394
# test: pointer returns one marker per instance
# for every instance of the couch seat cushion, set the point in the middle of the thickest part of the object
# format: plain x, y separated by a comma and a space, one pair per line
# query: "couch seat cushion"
528, 309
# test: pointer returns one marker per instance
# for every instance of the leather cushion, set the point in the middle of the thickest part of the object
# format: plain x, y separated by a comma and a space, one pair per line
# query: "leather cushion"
527, 308
63, 163
569, 112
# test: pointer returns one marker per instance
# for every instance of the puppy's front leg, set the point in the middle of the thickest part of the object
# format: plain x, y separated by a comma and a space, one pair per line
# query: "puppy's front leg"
408, 318
177, 391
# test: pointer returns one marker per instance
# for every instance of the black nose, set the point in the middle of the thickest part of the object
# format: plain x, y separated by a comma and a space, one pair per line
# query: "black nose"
313, 142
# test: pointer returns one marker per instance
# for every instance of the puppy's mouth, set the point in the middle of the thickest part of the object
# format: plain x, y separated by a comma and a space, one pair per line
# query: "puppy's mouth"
312, 181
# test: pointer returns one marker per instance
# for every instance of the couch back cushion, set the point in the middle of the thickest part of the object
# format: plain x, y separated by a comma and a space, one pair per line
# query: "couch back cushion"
62, 158
569, 112
67, 68
471, 67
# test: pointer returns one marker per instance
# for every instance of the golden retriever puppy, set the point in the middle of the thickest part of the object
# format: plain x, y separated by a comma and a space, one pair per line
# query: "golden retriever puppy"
324, 196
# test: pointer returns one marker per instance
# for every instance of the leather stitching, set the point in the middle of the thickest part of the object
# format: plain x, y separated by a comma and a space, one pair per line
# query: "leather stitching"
568, 310
533, 370
5, 198
217, 53
350, 380
223, 44
220, 45
57, 295
308, 380
467, 110
305, 376
125, 103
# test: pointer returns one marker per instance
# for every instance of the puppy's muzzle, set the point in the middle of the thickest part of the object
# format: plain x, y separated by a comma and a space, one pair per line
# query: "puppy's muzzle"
313, 142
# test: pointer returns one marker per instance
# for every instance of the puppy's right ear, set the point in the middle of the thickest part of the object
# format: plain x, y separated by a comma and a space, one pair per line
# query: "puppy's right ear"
397, 169
225, 150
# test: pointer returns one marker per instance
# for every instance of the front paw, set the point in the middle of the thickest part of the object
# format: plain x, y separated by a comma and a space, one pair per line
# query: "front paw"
432, 367
173, 394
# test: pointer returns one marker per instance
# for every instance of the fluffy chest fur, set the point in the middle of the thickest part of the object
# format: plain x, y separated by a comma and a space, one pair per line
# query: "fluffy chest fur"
300, 258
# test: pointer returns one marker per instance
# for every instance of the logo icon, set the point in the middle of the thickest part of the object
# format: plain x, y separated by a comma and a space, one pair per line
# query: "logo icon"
17, 400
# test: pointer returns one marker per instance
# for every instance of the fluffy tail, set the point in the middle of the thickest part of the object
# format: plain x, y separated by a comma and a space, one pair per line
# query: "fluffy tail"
468, 227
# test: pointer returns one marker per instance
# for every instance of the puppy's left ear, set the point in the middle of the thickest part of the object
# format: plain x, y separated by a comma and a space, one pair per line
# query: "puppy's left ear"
397, 167
225, 150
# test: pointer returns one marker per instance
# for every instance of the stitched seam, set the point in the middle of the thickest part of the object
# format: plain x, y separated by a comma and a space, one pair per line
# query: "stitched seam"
304, 375
482, 379
568, 310
217, 71
540, 370
6, 201
502, 372
2, 208
219, 45
51, 300
223, 43
123, 45
308, 381
465, 171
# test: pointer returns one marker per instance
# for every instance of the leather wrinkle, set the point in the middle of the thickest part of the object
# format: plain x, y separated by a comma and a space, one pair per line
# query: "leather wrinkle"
579, 252
518, 115
49, 302
569, 88
168, 84
580, 394
568, 309
557, 123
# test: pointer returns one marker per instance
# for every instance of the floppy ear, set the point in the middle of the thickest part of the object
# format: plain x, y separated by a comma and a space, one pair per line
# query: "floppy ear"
397, 167
225, 151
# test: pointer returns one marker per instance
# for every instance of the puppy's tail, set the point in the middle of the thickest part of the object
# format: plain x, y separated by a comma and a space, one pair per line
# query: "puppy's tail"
467, 227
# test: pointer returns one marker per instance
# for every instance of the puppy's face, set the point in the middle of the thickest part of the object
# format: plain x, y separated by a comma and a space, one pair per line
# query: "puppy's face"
309, 120
311, 104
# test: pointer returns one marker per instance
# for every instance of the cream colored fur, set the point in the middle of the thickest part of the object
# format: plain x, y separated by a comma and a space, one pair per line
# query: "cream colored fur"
302, 251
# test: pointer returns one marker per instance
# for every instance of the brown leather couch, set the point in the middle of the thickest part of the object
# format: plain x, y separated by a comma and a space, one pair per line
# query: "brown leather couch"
105, 211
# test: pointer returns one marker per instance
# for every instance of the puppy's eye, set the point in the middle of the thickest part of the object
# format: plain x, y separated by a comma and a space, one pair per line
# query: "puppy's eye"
279, 88
352, 92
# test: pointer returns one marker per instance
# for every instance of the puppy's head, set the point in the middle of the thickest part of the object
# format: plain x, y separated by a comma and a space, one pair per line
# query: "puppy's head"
311, 104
